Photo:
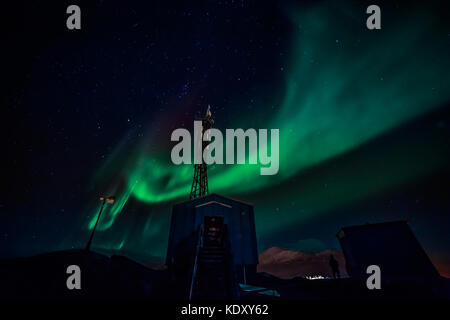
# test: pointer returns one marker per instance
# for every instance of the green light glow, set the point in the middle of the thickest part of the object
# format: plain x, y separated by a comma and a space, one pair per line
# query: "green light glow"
345, 85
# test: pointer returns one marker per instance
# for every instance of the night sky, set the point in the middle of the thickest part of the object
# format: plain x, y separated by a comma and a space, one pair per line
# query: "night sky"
363, 115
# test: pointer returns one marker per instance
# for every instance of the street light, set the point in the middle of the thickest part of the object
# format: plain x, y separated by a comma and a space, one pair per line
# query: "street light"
104, 200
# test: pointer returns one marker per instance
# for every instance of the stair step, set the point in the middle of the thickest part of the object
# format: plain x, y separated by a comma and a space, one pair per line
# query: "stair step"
211, 261
212, 280
212, 250
207, 256
211, 256
207, 259
213, 253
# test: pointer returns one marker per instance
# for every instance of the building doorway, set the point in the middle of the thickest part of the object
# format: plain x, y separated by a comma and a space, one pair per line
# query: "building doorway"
214, 230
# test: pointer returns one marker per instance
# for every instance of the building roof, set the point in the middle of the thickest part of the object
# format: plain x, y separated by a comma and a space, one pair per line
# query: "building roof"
374, 225
211, 195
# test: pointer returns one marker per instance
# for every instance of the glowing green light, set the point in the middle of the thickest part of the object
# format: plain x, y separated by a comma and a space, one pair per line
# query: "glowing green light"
337, 96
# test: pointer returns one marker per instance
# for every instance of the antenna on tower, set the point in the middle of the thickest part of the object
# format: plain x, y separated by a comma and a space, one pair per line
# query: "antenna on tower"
199, 186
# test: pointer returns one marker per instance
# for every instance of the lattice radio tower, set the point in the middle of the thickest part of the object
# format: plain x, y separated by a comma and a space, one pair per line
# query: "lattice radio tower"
199, 186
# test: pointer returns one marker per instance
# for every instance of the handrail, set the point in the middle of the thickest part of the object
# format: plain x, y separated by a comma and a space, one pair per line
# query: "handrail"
197, 250
232, 282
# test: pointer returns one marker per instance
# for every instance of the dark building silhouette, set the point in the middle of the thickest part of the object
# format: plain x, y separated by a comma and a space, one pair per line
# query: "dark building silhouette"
390, 245
212, 245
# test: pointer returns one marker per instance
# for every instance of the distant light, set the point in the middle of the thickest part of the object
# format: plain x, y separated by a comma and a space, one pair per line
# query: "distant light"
314, 277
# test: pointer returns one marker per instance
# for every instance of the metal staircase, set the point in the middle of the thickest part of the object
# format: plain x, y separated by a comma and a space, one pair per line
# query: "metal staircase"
213, 273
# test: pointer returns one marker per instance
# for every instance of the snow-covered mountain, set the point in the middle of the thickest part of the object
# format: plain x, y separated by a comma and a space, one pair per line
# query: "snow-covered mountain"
287, 264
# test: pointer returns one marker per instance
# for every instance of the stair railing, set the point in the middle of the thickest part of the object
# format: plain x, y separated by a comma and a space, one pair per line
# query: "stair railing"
232, 282
197, 251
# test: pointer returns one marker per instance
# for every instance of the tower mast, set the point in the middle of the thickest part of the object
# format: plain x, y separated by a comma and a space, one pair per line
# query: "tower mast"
199, 186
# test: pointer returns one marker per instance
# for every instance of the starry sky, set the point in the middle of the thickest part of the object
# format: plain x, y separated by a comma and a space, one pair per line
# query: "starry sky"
363, 119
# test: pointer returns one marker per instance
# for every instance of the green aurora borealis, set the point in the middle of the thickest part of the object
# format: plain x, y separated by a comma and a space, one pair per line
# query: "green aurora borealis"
343, 88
